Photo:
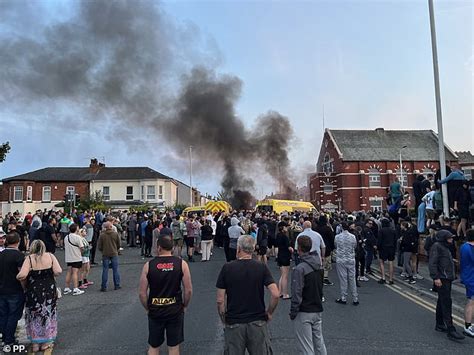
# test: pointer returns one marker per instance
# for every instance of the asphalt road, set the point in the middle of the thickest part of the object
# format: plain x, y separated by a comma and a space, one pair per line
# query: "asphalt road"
388, 320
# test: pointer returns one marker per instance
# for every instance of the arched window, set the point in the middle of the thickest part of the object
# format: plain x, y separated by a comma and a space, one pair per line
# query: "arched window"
374, 178
328, 166
403, 177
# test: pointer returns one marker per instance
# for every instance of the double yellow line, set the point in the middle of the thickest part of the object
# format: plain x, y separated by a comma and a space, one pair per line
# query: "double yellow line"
419, 301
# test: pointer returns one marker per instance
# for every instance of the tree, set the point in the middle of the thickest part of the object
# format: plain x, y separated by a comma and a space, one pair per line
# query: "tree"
4, 149
93, 202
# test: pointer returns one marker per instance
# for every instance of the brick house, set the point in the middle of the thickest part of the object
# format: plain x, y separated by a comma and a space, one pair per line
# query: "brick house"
356, 167
121, 187
466, 162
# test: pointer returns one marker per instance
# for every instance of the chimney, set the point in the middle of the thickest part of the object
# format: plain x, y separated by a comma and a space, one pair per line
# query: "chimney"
95, 166
380, 130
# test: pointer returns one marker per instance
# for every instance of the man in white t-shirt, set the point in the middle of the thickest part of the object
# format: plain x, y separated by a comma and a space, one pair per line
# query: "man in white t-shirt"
317, 243
73, 246
428, 199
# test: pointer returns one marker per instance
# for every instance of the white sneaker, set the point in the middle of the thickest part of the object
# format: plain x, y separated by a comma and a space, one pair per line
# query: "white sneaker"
403, 274
67, 291
77, 292
418, 277
323, 299
469, 331
363, 278
120, 248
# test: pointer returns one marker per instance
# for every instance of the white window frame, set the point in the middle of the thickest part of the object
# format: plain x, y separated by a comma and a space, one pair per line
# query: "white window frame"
17, 190
128, 197
43, 194
142, 193
376, 204
106, 196
70, 190
326, 186
150, 195
328, 164
404, 177
160, 192
468, 172
374, 178
29, 193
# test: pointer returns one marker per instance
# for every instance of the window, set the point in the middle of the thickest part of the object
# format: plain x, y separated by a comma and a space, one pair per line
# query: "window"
150, 192
18, 193
328, 166
468, 172
29, 193
328, 188
403, 178
129, 195
142, 193
376, 204
427, 172
160, 192
70, 190
374, 178
46, 195
106, 193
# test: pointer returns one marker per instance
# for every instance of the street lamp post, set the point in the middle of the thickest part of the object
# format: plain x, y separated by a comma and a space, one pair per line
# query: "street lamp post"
191, 176
401, 166
439, 117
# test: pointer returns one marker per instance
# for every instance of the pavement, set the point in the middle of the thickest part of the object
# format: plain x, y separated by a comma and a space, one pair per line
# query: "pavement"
396, 319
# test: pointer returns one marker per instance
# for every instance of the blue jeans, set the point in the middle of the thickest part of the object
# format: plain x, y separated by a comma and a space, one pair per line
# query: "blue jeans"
106, 260
11, 310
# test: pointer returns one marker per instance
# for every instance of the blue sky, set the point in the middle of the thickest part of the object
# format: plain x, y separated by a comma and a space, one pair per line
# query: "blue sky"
367, 62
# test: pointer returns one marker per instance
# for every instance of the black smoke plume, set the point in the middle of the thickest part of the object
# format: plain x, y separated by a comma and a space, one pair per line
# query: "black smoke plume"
128, 63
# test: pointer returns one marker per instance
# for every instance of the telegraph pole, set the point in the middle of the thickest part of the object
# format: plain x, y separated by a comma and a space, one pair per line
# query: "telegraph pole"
439, 117
191, 176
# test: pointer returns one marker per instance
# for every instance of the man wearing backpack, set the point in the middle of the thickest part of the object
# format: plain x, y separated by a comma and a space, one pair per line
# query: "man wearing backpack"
178, 229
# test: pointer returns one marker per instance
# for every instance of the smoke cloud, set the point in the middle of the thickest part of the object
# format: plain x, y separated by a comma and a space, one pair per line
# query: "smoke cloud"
128, 63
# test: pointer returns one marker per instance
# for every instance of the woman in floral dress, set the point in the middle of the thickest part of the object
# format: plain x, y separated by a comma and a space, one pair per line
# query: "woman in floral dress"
39, 270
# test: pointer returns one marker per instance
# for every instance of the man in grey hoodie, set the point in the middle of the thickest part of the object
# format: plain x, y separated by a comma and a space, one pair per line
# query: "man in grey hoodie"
441, 267
235, 231
306, 302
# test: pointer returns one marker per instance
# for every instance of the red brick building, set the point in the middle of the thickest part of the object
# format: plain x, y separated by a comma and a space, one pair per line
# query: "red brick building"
356, 167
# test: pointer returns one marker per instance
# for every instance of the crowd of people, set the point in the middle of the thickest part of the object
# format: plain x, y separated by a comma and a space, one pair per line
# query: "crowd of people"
311, 241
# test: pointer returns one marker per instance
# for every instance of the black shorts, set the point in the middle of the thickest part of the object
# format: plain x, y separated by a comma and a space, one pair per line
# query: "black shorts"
76, 265
387, 254
463, 213
262, 250
271, 241
174, 331
283, 261
190, 242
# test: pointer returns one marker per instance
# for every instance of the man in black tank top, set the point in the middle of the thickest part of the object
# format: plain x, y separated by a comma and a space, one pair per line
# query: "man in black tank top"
161, 295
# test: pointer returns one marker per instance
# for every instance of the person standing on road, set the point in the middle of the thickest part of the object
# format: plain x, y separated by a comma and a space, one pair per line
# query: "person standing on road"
178, 229
109, 245
408, 247
306, 303
282, 243
243, 313
161, 295
317, 243
12, 297
467, 278
441, 267
326, 231
192, 228
346, 244
41, 296
235, 231
73, 247
386, 246
370, 242
132, 229
206, 240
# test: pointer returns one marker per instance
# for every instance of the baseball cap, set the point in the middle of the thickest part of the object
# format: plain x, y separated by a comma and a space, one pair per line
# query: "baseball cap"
1, 231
